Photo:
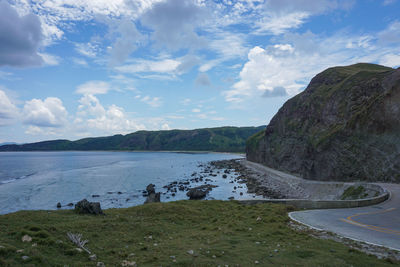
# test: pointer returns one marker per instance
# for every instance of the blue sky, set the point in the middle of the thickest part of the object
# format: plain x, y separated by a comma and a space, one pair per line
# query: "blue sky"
72, 68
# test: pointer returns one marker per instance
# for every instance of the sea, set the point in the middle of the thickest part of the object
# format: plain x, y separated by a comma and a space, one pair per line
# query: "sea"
39, 180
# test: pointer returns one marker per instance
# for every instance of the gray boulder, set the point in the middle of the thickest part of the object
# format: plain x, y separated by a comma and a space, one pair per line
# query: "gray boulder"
86, 207
152, 196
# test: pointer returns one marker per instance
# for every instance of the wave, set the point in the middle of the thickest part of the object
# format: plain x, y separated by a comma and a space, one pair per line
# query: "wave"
18, 178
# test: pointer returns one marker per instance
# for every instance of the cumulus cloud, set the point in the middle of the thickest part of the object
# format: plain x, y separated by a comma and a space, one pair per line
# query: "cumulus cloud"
8, 111
92, 117
292, 63
93, 88
47, 113
20, 38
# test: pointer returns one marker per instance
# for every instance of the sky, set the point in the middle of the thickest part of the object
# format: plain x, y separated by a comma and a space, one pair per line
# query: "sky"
71, 69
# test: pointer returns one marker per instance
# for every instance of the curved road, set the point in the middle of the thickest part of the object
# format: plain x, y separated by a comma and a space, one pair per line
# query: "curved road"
378, 224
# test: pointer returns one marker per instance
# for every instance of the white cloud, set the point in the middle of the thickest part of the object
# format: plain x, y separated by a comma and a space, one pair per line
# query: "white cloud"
50, 60
93, 118
87, 49
292, 63
391, 35
196, 110
280, 24
282, 15
152, 101
168, 66
93, 88
165, 126
8, 111
47, 113
80, 61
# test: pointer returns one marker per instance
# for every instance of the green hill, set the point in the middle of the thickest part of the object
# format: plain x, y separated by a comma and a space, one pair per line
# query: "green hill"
221, 139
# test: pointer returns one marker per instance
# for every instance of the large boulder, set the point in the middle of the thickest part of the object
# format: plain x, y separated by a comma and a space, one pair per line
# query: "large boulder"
344, 126
152, 196
86, 207
199, 192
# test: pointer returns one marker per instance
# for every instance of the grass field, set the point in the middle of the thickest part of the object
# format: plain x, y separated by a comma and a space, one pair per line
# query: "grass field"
183, 233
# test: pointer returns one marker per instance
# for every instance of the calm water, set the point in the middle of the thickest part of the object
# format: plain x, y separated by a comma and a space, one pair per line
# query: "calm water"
38, 180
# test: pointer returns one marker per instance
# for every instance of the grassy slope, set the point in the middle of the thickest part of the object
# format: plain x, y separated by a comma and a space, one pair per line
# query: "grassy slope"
218, 233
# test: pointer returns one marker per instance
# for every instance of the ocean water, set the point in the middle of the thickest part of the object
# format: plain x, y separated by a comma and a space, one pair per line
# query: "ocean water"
39, 180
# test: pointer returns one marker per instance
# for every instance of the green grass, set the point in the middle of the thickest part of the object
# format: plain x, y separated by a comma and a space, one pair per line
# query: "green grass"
353, 192
219, 233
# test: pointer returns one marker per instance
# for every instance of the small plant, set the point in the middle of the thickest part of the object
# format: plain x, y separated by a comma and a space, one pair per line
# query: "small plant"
76, 239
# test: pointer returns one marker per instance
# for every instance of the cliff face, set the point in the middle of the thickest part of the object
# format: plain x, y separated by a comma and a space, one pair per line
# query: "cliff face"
344, 126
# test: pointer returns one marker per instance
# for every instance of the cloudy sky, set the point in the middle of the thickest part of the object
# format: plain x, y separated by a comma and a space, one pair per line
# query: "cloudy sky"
73, 68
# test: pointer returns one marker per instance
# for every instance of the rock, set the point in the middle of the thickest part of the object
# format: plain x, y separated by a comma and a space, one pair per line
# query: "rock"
86, 207
26, 238
58, 205
95, 195
128, 263
199, 192
20, 251
93, 257
150, 189
231, 198
100, 264
25, 258
152, 196
70, 204
344, 126
224, 176
79, 250
190, 252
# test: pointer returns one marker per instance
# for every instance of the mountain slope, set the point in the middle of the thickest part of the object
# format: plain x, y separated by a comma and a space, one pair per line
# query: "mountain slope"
344, 126
222, 139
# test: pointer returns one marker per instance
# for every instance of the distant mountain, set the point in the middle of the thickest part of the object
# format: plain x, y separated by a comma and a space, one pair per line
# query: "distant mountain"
344, 126
222, 139
8, 143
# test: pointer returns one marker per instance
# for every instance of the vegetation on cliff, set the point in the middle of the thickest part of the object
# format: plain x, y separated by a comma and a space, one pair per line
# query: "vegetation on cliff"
221, 139
344, 126
183, 233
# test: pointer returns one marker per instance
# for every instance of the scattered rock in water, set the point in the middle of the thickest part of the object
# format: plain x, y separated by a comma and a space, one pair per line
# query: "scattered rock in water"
95, 195
86, 207
224, 176
231, 198
152, 196
70, 204
199, 192
58, 205
26, 238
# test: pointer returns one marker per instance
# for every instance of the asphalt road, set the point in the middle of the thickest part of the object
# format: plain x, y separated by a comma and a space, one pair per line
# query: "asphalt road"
377, 224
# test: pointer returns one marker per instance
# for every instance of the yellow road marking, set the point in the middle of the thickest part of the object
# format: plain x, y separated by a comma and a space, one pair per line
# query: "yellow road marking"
350, 220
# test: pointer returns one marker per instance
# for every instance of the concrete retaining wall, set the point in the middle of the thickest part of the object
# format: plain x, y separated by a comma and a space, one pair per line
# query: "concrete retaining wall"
326, 204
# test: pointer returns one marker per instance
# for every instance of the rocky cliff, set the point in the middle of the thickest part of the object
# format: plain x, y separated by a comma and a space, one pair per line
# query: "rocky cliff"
344, 126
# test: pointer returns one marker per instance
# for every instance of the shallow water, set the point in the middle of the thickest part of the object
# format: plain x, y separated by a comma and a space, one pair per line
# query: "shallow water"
38, 180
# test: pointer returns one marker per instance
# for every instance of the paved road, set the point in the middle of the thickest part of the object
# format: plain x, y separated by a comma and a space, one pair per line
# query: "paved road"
378, 224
